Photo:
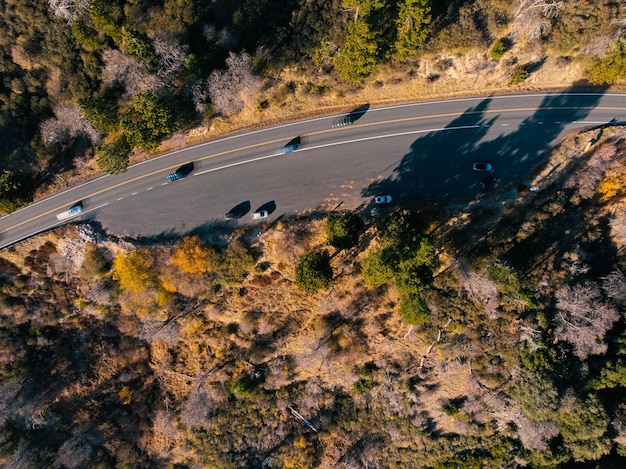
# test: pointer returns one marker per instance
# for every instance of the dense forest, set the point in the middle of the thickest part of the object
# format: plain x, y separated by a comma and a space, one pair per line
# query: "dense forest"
87, 83
418, 336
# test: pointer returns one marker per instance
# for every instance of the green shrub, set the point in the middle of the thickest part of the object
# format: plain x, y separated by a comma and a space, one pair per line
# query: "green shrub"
498, 49
363, 386
343, 230
359, 55
242, 386
101, 112
414, 309
149, 121
113, 157
314, 272
612, 67
506, 281
520, 75
450, 409
378, 267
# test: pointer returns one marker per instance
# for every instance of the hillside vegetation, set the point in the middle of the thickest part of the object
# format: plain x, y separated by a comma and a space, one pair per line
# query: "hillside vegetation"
487, 337
87, 85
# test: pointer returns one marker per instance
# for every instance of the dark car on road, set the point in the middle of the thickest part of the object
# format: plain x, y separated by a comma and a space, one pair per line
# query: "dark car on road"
181, 172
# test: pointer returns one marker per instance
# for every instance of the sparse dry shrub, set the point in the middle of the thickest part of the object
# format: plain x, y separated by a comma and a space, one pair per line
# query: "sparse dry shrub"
175, 281
195, 410
587, 179
583, 318
482, 290
77, 451
68, 9
618, 227
166, 332
171, 54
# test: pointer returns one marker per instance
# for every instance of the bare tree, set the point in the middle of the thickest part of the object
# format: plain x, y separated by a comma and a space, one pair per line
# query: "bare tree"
535, 435
583, 318
533, 18
231, 88
67, 123
195, 411
481, 290
614, 286
618, 228
120, 68
166, 332
171, 54
68, 9
199, 95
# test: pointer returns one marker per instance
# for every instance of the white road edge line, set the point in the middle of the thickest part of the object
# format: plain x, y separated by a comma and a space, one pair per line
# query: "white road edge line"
54, 225
345, 142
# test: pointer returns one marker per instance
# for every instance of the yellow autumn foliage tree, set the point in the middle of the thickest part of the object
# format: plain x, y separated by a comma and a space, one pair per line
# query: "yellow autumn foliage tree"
612, 187
193, 256
134, 270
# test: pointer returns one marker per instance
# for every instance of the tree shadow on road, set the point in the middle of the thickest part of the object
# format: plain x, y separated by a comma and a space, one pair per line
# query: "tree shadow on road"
438, 166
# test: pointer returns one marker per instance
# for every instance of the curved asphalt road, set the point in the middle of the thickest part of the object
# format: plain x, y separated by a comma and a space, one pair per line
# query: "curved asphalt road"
412, 151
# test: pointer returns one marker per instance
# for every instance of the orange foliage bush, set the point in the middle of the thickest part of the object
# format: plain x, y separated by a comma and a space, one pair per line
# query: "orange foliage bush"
194, 257
134, 270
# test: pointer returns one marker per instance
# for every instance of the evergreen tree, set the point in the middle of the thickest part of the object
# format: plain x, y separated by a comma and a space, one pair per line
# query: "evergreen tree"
412, 23
113, 157
359, 56
314, 272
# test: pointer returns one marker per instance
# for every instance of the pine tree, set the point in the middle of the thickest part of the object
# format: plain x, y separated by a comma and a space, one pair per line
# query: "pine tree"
412, 23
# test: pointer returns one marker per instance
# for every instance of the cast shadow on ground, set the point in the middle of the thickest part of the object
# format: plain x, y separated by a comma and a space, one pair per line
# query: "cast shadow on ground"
438, 166
269, 206
359, 112
243, 208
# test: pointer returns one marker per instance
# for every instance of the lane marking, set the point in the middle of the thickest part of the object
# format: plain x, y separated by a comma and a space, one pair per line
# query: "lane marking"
370, 110
54, 225
345, 142
256, 145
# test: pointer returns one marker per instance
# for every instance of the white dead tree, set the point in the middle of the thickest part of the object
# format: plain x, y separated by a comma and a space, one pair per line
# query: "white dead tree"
199, 95
171, 54
132, 74
231, 88
618, 228
67, 123
68, 9
614, 286
583, 318
533, 18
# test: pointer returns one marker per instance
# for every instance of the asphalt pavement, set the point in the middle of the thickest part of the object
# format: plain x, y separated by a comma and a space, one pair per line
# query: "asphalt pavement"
411, 151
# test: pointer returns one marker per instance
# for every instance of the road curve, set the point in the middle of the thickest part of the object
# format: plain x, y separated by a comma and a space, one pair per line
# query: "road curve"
420, 150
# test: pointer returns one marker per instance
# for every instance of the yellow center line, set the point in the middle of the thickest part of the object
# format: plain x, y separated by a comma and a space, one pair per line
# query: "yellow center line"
319, 132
